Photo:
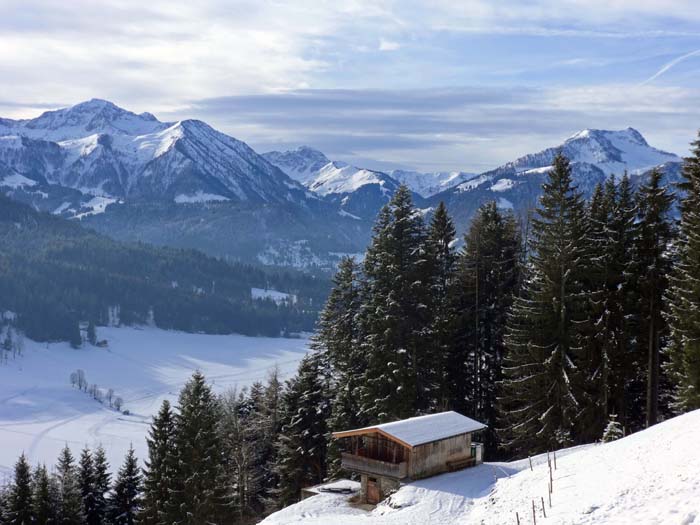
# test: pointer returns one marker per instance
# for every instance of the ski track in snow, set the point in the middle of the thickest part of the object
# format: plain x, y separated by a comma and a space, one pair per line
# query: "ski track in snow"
40, 411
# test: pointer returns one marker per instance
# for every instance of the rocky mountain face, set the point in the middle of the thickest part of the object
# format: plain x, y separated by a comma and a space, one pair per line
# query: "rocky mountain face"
186, 184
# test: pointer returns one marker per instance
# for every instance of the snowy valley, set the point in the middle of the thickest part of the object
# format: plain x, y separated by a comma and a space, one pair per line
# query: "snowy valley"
40, 412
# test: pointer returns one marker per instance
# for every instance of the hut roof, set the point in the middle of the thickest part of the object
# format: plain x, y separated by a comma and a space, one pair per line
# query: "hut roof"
420, 430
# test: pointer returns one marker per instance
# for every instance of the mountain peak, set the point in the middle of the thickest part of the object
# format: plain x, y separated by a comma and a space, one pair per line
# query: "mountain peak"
628, 134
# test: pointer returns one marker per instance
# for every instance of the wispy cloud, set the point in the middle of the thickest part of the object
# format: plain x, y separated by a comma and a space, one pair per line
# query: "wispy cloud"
472, 129
669, 65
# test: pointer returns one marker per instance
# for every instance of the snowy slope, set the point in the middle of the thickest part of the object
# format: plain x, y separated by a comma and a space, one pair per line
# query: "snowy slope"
427, 184
652, 477
40, 411
315, 171
101, 149
594, 155
324, 177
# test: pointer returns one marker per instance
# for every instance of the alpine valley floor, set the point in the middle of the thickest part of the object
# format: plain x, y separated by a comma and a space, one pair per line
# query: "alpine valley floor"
40, 411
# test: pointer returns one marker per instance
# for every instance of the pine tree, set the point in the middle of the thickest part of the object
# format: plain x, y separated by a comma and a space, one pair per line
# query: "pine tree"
684, 294
487, 277
654, 263
86, 476
71, 504
546, 329
45, 498
613, 430
239, 451
19, 501
91, 333
197, 489
102, 481
267, 425
303, 441
441, 266
158, 472
393, 313
75, 338
336, 340
125, 500
601, 283
622, 302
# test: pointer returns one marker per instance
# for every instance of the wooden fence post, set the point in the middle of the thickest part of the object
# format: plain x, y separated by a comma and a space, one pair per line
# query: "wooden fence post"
544, 512
530, 460
534, 516
517, 517
555, 460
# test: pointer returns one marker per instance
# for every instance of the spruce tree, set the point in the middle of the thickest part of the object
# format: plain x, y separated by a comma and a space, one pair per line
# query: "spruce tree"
86, 476
71, 501
394, 313
125, 499
336, 340
102, 482
684, 294
546, 328
19, 501
613, 430
487, 277
158, 472
441, 266
91, 333
601, 283
622, 302
239, 451
198, 490
45, 499
266, 422
654, 263
303, 440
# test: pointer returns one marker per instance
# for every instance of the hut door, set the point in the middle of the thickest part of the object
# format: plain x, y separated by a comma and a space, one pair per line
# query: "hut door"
373, 495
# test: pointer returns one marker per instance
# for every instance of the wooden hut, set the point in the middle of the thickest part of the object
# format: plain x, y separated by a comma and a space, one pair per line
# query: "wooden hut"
410, 449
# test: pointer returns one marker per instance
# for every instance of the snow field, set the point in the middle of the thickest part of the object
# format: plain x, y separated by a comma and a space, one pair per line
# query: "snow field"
648, 478
40, 411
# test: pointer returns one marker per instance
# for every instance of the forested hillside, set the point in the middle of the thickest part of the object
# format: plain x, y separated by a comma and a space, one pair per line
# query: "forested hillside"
55, 274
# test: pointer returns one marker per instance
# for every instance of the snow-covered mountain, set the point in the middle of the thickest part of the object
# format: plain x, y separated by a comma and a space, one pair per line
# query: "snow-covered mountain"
427, 184
323, 176
101, 149
358, 191
594, 155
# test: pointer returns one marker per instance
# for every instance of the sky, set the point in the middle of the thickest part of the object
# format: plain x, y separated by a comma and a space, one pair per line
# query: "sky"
429, 85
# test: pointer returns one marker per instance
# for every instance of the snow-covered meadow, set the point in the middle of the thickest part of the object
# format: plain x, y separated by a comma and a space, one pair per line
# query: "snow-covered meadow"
40, 411
648, 478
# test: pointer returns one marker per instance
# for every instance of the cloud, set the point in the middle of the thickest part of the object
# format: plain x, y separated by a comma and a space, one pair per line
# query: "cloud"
287, 73
467, 128
671, 64
388, 45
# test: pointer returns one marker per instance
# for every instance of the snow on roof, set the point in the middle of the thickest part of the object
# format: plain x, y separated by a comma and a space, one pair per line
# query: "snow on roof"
417, 431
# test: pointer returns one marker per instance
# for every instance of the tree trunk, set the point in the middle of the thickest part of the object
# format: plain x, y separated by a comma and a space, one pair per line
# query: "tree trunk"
653, 371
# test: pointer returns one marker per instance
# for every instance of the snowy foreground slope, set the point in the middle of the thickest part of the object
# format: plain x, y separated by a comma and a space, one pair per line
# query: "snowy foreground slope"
652, 477
40, 412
